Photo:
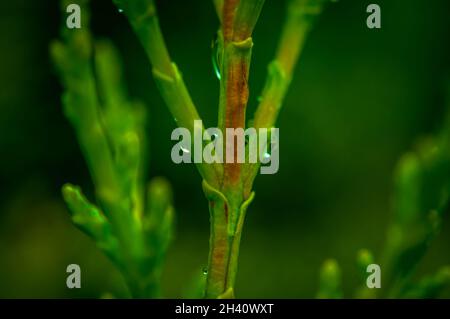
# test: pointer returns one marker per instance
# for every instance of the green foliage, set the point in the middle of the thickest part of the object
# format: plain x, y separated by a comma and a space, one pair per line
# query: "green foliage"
228, 187
422, 183
132, 226
421, 198
430, 286
330, 281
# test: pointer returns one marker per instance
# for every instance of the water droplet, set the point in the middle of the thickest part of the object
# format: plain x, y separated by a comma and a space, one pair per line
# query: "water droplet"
215, 56
120, 10
205, 271
266, 156
184, 150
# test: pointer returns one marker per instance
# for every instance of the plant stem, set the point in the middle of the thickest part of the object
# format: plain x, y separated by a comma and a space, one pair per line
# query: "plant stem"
224, 242
228, 206
228, 203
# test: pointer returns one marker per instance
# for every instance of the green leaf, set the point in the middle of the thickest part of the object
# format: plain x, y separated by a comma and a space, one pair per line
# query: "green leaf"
91, 220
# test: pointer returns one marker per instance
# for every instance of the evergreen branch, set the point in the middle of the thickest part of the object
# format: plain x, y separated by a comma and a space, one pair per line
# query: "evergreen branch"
110, 132
301, 15
91, 220
142, 15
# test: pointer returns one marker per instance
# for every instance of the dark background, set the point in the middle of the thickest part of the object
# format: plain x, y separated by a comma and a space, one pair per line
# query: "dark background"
359, 99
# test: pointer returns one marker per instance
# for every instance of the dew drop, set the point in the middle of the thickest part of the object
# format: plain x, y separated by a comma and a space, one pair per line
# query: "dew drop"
205, 271
184, 150
215, 57
120, 10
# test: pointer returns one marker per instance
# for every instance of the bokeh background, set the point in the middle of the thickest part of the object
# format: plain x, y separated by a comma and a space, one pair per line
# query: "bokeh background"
359, 99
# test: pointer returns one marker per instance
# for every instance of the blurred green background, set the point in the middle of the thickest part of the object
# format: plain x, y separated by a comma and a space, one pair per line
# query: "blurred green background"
359, 99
